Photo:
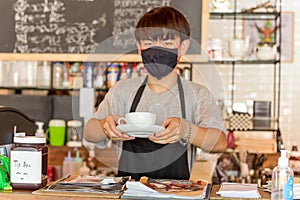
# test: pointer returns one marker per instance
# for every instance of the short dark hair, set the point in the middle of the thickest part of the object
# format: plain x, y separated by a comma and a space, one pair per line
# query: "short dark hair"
162, 23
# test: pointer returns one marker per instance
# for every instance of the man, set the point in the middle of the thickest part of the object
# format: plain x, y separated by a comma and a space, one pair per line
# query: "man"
186, 110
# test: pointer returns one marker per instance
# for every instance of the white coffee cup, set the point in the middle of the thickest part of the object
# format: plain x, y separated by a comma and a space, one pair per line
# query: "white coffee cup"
139, 119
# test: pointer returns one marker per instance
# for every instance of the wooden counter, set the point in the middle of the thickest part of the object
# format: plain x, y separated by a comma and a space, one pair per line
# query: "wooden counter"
201, 170
27, 195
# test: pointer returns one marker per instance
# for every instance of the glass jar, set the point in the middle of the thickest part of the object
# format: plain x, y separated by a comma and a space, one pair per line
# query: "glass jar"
57, 76
74, 133
43, 74
29, 162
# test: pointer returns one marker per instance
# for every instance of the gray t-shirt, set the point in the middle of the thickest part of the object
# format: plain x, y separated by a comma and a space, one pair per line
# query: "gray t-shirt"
200, 105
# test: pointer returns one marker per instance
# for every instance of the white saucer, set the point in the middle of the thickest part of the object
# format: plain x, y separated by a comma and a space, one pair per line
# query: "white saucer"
141, 132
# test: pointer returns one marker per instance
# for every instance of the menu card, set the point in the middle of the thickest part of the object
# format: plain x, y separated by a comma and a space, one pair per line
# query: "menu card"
238, 190
167, 189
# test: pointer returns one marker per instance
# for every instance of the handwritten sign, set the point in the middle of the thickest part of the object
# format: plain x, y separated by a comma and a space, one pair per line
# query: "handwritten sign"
81, 26
26, 167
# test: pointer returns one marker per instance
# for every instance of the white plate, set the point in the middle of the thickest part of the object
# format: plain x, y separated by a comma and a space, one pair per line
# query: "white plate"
142, 132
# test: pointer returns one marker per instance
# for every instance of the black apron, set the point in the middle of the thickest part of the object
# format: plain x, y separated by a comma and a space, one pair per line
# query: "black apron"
142, 157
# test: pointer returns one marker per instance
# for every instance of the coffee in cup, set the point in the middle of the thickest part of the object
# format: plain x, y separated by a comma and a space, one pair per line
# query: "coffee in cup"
143, 119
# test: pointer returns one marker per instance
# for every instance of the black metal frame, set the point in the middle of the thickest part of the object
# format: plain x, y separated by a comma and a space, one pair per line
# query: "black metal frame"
276, 16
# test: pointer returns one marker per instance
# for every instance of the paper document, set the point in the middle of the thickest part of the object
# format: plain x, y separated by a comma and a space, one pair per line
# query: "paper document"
238, 190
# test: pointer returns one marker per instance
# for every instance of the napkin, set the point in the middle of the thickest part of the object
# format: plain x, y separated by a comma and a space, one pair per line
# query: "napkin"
238, 190
297, 191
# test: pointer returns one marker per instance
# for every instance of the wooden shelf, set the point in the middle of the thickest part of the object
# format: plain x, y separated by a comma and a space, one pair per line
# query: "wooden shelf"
245, 15
47, 88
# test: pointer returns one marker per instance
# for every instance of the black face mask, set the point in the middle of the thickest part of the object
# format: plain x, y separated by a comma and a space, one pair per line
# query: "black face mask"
159, 61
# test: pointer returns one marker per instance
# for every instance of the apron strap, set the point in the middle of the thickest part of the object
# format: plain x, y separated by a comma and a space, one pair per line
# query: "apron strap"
138, 95
181, 96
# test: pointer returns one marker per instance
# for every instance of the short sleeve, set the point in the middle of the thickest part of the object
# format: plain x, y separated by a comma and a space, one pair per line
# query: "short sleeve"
207, 113
112, 104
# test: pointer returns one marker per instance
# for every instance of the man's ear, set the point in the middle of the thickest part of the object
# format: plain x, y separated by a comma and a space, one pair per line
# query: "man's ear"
184, 46
139, 48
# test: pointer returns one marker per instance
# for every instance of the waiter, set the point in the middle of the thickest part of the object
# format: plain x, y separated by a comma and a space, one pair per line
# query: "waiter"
187, 110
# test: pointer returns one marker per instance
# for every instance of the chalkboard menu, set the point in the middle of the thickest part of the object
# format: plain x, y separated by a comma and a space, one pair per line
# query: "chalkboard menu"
83, 26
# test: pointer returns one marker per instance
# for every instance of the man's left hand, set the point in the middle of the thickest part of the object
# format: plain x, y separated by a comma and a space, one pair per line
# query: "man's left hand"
171, 134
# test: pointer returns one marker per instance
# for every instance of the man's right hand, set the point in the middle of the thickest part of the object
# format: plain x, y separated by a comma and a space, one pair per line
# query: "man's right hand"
108, 126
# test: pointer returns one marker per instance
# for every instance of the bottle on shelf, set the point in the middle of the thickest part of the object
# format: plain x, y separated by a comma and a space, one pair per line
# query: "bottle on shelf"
78, 162
99, 75
113, 73
71, 165
66, 77
88, 74
129, 70
51, 173
68, 167
57, 75
134, 72
76, 75
124, 74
